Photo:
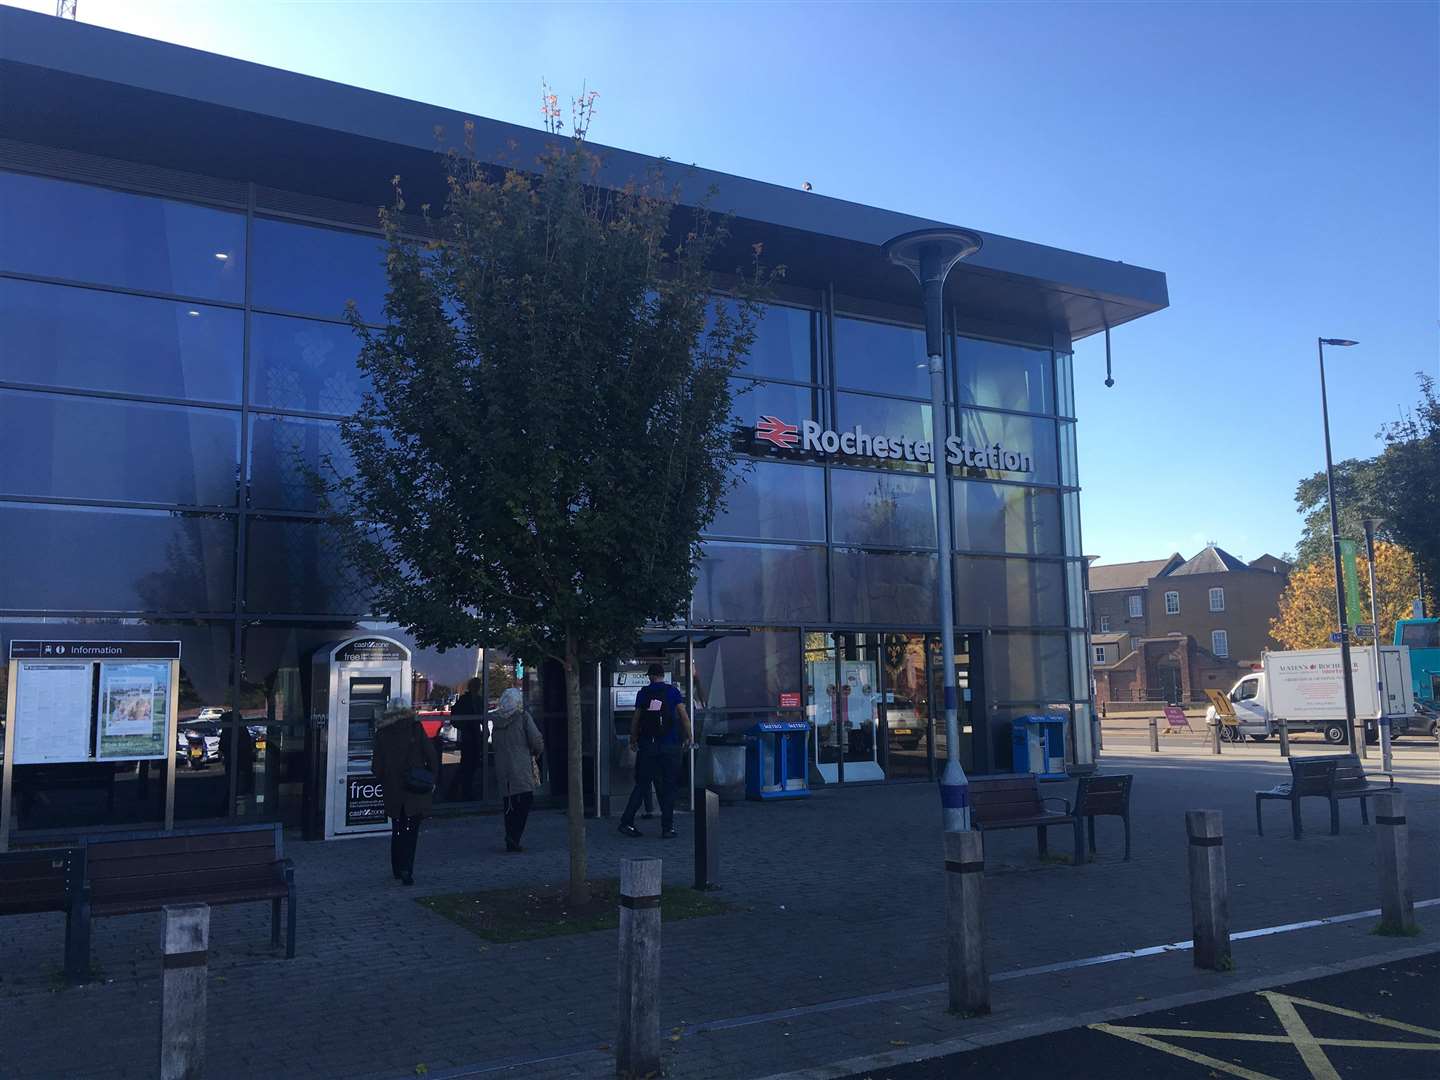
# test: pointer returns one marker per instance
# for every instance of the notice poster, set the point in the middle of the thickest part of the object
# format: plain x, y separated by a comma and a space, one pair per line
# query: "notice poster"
364, 801
134, 711
52, 712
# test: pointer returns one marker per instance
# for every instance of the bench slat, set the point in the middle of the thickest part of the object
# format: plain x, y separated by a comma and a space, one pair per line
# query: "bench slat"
103, 850
148, 863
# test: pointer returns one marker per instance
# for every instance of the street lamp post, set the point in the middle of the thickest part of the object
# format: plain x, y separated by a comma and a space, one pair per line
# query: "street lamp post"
1335, 545
930, 254
1382, 710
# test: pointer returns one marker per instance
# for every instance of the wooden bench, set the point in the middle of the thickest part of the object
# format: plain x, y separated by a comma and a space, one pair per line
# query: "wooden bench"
137, 872
1309, 777
1104, 796
50, 879
1014, 802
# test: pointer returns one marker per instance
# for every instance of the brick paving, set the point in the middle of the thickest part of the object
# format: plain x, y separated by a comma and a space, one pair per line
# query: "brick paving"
839, 897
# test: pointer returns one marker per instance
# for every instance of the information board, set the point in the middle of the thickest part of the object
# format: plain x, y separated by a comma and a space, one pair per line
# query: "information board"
134, 714
52, 712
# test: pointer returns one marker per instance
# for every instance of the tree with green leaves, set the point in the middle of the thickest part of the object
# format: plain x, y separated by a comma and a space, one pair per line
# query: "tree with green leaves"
550, 426
1357, 498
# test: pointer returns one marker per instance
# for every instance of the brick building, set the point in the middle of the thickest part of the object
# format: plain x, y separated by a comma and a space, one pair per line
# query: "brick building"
1171, 628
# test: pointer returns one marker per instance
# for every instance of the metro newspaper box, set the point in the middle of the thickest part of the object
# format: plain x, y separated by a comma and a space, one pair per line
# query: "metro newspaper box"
777, 753
1039, 745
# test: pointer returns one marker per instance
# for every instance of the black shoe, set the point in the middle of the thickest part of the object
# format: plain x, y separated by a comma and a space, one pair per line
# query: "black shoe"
667, 834
512, 847
629, 830
407, 879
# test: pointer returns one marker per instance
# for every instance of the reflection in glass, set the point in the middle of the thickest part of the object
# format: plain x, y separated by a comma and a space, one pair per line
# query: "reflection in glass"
297, 567
1009, 592
752, 400
884, 587
783, 346
54, 228
1029, 667
742, 583
746, 673
772, 501
287, 455
886, 416
1005, 376
880, 357
1017, 434
90, 448
882, 508
57, 335
315, 271
306, 365
64, 558
1002, 517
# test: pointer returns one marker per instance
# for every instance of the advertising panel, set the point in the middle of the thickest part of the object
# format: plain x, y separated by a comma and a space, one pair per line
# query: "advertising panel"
134, 714
52, 706
364, 801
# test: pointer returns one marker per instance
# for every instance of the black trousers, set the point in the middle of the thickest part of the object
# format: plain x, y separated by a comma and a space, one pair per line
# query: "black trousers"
404, 834
517, 812
660, 769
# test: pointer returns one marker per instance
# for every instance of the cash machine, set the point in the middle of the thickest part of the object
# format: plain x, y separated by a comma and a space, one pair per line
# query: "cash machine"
352, 683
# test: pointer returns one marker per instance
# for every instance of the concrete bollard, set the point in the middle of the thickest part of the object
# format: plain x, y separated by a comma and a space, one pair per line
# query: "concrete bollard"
1392, 839
637, 1048
1154, 735
185, 943
1215, 735
965, 971
707, 839
1284, 737
1209, 891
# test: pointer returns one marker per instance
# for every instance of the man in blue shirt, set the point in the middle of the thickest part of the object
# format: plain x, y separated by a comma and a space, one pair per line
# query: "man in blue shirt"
659, 735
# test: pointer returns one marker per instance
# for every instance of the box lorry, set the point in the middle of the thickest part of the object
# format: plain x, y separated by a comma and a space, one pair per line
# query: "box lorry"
1306, 688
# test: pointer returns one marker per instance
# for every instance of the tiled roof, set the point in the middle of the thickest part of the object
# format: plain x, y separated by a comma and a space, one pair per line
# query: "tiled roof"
1128, 575
1212, 560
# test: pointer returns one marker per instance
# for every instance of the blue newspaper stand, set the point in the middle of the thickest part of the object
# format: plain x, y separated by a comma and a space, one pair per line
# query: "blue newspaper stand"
1039, 745
776, 760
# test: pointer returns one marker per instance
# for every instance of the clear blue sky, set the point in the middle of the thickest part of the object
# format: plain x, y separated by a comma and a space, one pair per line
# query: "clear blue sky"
1278, 161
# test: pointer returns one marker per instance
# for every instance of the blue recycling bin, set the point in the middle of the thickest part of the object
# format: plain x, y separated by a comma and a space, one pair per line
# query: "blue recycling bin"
1039, 745
776, 760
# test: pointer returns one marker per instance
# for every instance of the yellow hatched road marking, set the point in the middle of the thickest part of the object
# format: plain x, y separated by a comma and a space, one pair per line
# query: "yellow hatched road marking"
1310, 1052
1180, 1052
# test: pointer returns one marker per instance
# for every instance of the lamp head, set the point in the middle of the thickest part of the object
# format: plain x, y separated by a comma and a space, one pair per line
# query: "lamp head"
1337, 341
929, 254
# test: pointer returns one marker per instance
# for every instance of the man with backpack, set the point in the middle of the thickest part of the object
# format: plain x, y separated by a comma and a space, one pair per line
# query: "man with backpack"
659, 735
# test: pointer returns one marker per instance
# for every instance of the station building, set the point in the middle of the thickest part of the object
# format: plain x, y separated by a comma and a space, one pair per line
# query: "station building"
179, 236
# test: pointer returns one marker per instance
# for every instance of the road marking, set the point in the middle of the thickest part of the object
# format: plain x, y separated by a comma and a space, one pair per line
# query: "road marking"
1308, 1045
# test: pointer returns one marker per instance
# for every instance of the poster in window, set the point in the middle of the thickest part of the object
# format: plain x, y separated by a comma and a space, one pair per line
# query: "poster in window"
134, 715
52, 712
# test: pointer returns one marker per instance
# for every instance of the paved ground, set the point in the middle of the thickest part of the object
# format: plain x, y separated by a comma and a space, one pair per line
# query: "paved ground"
835, 953
1377, 1021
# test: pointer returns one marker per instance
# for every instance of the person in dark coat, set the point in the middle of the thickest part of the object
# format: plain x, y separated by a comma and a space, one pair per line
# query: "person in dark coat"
400, 747
517, 744
468, 716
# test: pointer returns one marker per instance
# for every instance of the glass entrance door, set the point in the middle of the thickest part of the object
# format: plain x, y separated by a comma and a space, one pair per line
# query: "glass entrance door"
842, 686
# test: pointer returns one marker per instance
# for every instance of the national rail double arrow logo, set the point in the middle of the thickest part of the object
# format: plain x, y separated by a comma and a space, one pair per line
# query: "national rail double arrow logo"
776, 431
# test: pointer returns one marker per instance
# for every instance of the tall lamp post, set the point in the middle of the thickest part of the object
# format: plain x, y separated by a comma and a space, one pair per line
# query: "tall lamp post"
1335, 544
1382, 712
930, 254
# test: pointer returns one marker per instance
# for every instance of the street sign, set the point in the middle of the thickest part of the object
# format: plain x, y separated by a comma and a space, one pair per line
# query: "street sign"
1336, 637
1365, 630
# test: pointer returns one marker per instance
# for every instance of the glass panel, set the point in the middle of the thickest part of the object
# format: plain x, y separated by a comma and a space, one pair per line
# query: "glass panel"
56, 335
772, 501
1009, 592
882, 508
64, 558
783, 346
1072, 524
880, 357
752, 400
53, 228
1002, 517
1082, 732
743, 583
906, 721
1079, 669
315, 271
885, 587
287, 454
1033, 440
820, 691
306, 365
736, 677
297, 567
1069, 460
1028, 667
890, 417
89, 448
1065, 383
1075, 594
1005, 376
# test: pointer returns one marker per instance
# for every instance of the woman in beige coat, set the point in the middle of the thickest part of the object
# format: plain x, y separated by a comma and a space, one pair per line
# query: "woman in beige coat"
516, 742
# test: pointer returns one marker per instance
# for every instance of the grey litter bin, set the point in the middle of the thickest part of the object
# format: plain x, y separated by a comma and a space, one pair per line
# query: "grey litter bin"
724, 766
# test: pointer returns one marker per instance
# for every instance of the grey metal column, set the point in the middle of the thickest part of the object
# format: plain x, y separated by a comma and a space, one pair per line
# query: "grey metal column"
1382, 710
1345, 673
930, 254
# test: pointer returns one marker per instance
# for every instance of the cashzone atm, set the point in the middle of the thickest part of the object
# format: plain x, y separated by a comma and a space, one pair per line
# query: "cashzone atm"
352, 683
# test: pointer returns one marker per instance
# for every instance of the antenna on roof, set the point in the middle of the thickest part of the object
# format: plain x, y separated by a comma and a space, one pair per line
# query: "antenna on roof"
65, 9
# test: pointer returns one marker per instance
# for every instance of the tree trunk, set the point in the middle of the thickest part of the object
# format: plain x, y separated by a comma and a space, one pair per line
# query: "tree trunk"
575, 775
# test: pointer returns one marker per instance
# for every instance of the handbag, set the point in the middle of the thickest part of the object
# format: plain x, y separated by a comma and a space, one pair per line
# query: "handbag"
419, 779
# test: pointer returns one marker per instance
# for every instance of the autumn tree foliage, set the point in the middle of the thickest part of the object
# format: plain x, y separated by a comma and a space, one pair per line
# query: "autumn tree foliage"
1307, 607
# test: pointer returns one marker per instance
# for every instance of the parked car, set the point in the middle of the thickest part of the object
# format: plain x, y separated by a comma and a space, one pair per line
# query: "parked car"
210, 712
905, 725
198, 743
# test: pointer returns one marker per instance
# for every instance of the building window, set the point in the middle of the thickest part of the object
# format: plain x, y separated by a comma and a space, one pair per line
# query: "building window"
1136, 606
880, 357
1099, 654
1220, 643
1104, 624
995, 375
1172, 603
1217, 599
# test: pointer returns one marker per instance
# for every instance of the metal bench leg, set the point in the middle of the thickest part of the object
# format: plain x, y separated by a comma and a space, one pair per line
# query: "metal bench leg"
290, 924
1295, 817
1080, 842
1334, 817
1259, 826
275, 922
1041, 830
77, 943
1364, 812
1126, 818
1091, 822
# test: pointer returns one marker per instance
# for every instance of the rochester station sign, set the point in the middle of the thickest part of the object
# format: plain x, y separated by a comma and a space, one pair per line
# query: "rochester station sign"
810, 437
